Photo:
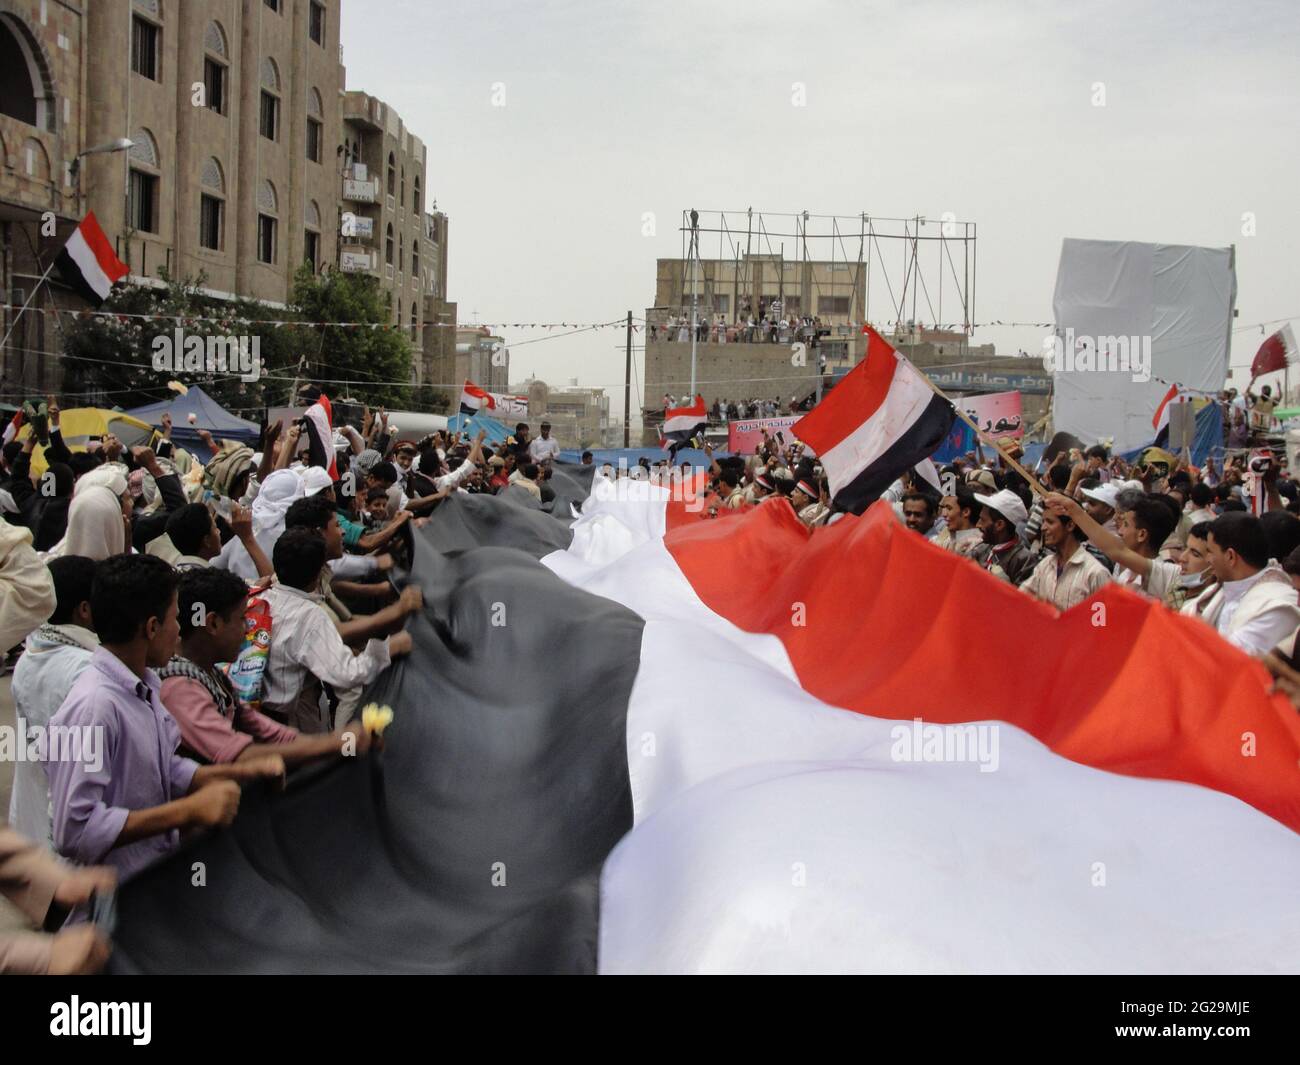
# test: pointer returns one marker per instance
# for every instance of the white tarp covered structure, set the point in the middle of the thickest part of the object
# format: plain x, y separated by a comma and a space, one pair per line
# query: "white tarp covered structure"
1164, 309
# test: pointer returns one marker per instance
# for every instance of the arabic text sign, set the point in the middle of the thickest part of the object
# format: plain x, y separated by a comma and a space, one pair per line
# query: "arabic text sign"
997, 415
744, 436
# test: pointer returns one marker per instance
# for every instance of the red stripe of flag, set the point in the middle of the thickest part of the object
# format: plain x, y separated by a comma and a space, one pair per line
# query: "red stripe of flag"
857, 397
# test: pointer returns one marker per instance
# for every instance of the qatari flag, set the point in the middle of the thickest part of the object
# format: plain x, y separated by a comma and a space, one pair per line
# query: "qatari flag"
320, 436
809, 807
881, 419
87, 262
1276, 353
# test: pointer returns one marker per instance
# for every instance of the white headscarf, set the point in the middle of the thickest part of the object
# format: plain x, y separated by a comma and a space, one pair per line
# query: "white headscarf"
96, 529
276, 495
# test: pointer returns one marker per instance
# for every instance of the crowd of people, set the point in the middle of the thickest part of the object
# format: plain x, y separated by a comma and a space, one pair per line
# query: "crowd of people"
195, 627
178, 628
766, 327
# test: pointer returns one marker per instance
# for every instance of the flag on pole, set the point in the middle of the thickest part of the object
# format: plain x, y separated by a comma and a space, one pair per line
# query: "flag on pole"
474, 399
1276, 353
87, 262
881, 419
1160, 420
682, 423
320, 436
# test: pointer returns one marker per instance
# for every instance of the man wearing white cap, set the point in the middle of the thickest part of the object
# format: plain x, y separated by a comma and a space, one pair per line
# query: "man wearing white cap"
1002, 553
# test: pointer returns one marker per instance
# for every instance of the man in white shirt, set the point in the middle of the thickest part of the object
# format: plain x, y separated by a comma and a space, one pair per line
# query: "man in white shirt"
1254, 604
306, 649
1135, 551
1068, 575
56, 654
545, 448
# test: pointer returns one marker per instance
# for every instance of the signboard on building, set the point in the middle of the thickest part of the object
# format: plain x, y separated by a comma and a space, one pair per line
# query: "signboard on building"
358, 227
356, 262
360, 191
963, 381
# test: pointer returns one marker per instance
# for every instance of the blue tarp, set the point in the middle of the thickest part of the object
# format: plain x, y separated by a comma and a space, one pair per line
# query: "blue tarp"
1207, 442
472, 423
209, 415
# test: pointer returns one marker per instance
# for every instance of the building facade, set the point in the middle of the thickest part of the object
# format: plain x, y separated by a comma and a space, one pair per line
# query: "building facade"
247, 158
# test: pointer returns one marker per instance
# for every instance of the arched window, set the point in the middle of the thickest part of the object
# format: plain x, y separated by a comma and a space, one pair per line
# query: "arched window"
388, 245
415, 200
401, 251
270, 105
216, 65
415, 260
401, 199
315, 126
415, 324
143, 184
311, 240
212, 206
268, 207
392, 174
26, 89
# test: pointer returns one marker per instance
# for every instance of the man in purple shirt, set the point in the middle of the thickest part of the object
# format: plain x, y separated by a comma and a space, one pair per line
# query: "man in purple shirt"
120, 792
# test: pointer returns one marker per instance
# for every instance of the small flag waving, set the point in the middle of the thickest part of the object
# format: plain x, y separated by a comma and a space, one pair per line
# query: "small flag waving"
882, 419
11, 429
1160, 420
1276, 353
473, 399
320, 436
87, 262
682, 423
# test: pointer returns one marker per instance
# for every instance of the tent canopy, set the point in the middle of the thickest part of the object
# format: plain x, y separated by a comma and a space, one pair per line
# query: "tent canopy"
80, 424
472, 423
208, 414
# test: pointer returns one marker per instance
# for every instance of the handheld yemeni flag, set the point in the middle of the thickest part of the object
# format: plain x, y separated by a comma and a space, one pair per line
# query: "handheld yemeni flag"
682, 423
805, 810
1276, 353
87, 262
474, 399
320, 436
881, 419
11, 427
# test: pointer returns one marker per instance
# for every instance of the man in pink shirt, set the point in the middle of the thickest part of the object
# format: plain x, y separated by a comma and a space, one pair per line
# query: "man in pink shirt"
215, 726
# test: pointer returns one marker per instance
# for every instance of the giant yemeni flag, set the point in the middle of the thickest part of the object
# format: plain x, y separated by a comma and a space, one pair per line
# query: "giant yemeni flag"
882, 419
87, 262
740, 746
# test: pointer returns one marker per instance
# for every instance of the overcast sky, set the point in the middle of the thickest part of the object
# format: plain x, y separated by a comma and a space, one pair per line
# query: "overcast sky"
984, 109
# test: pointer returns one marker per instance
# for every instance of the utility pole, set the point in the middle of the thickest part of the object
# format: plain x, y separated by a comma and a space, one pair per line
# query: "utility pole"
695, 299
627, 387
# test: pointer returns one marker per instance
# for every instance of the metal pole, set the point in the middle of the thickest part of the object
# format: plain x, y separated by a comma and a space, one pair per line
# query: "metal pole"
627, 387
695, 255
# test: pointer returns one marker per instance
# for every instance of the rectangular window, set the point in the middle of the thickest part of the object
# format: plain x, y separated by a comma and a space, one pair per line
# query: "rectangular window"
832, 304
270, 117
210, 222
214, 85
314, 138
142, 202
144, 48
316, 23
721, 304
274, 5
311, 249
265, 239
